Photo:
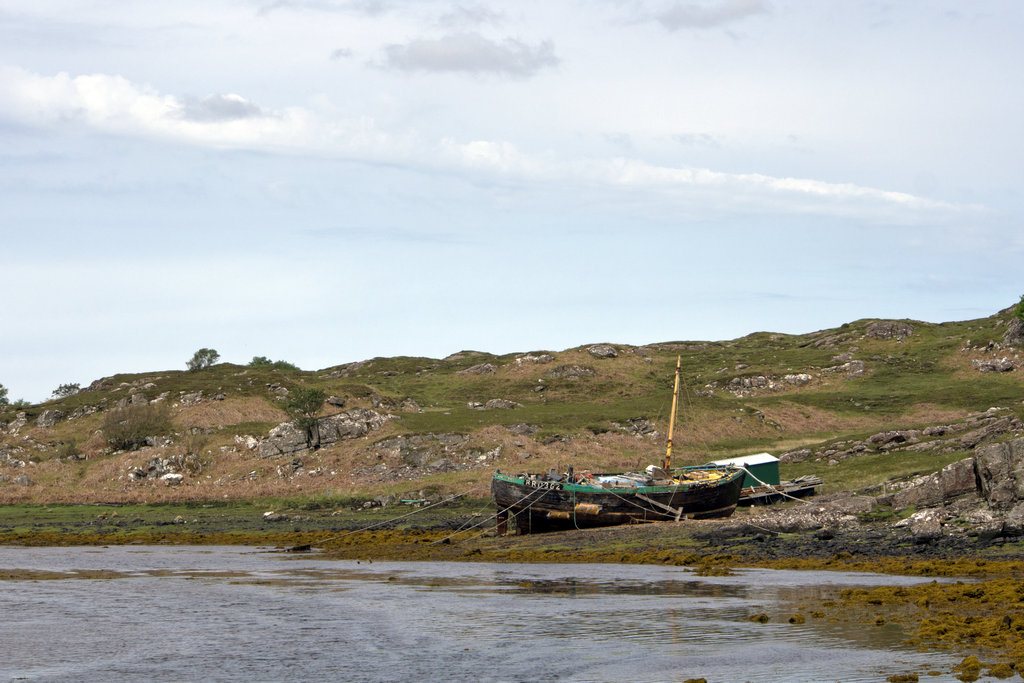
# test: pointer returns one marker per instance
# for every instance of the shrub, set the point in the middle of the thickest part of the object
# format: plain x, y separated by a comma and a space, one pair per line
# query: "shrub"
264, 362
3, 395
68, 450
303, 406
65, 390
202, 359
127, 428
1020, 309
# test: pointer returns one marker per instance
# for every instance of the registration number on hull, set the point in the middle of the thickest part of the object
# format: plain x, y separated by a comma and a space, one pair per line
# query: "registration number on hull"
548, 485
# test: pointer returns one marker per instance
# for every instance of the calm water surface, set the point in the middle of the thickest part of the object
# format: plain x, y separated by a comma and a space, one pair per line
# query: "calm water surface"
231, 614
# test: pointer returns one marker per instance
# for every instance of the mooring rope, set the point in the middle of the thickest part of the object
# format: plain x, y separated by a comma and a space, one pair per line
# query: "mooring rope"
494, 516
395, 519
781, 493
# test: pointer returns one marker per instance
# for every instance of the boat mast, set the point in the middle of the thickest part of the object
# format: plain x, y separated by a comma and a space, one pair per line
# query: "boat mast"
672, 420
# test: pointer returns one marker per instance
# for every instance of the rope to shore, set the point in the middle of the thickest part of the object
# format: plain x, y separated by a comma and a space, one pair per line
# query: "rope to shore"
492, 517
781, 493
395, 519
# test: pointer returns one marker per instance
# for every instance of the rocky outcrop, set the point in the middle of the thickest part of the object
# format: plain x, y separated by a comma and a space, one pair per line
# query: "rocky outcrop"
1003, 364
481, 369
536, 359
15, 425
1014, 335
286, 439
420, 450
952, 481
889, 329
1000, 470
602, 351
570, 372
972, 432
494, 404
49, 419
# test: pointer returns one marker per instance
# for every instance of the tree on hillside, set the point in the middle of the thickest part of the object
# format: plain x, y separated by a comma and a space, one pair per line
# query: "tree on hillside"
1020, 309
264, 362
201, 359
3, 395
65, 390
303, 406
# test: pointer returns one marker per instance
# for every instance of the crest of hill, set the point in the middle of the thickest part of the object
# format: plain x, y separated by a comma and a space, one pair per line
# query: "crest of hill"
603, 404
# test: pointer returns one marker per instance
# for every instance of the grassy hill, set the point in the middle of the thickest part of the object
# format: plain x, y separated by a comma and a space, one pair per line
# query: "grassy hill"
763, 392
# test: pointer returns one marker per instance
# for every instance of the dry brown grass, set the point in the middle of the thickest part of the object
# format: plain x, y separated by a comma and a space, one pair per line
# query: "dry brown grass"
216, 414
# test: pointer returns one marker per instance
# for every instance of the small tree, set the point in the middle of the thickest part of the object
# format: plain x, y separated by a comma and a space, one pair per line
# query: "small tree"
1020, 309
202, 359
128, 428
3, 395
65, 390
303, 405
264, 362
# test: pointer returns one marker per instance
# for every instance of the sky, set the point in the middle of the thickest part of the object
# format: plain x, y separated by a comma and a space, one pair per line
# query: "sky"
326, 181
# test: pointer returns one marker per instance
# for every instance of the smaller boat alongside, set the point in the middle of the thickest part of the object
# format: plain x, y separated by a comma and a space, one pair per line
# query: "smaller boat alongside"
762, 484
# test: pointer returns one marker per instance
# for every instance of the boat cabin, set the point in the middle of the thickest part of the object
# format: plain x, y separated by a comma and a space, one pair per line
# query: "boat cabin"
764, 466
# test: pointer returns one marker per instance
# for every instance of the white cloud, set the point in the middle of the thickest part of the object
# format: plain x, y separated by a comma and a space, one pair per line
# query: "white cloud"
114, 105
707, 15
471, 53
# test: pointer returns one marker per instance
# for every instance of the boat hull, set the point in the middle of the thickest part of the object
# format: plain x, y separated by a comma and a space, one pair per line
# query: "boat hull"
542, 505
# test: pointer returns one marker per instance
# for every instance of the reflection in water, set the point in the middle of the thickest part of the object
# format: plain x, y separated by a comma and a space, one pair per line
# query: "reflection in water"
172, 613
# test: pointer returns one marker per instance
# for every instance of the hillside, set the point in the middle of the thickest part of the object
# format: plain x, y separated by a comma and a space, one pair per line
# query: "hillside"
864, 405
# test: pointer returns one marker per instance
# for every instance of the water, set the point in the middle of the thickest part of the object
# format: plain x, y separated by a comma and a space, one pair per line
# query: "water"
159, 613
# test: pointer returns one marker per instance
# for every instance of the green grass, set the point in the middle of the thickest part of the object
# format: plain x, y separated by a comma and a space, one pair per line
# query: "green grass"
927, 369
860, 472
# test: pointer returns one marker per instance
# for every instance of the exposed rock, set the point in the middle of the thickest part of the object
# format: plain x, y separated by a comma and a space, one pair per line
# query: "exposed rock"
994, 365
854, 368
822, 514
1013, 521
1014, 335
1000, 470
285, 438
249, 443
523, 429
417, 450
406, 405
22, 480
798, 379
798, 455
925, 525
336, 401
82, 411
192, 399
15, 425
538, 359
638, 427
481, 369
172, 479
501, 404
952, 481
570, 372
602, 351
49, 419
889, 329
